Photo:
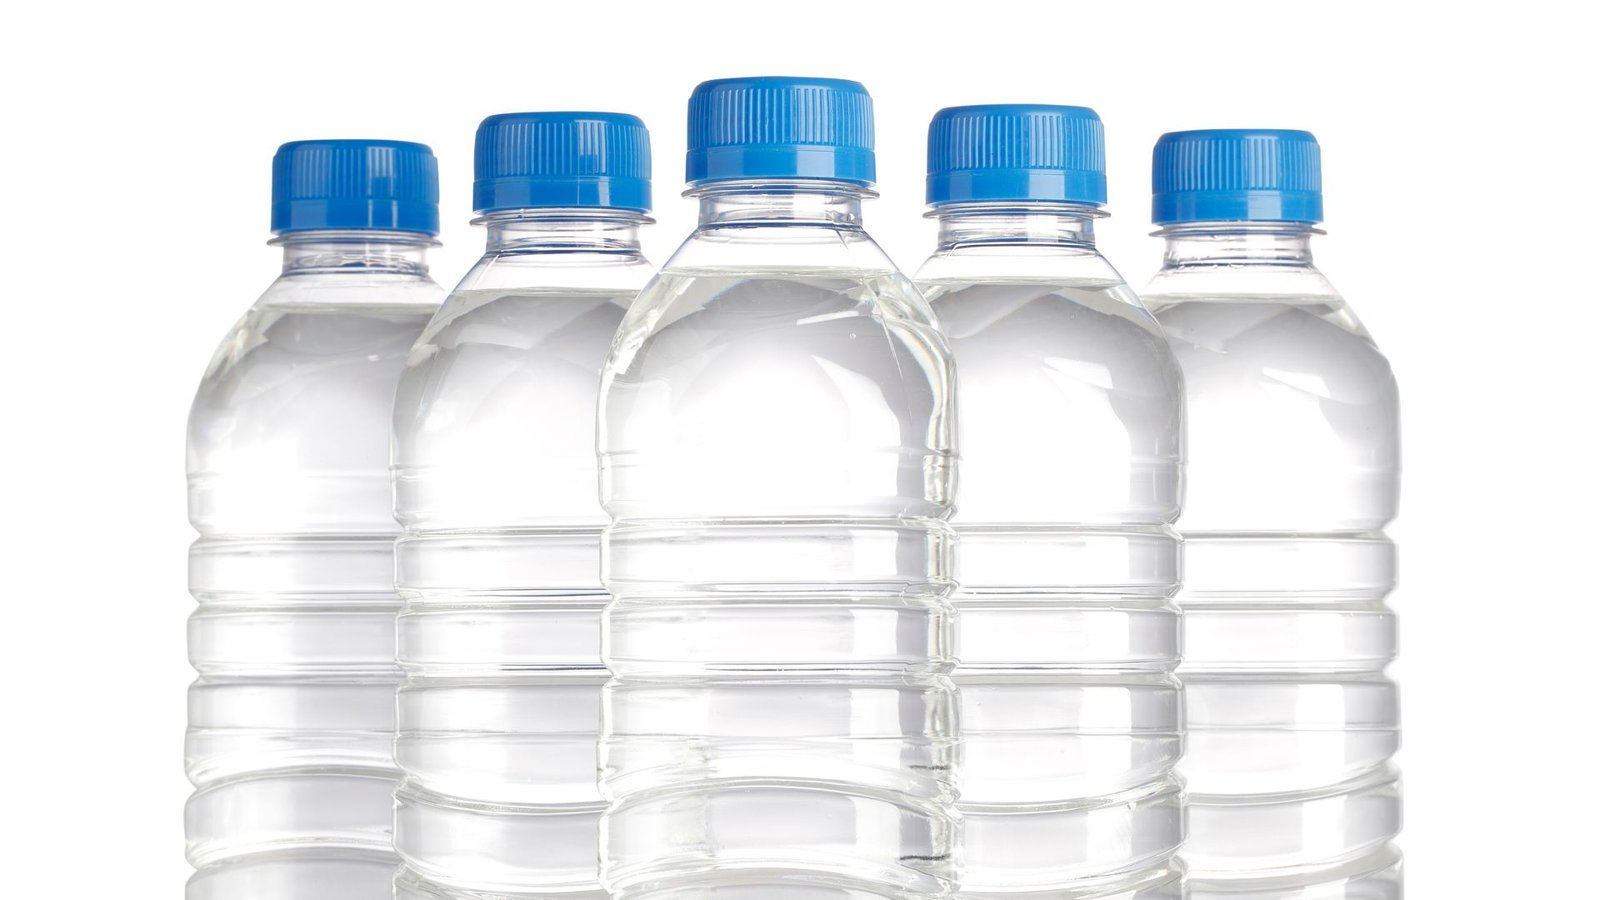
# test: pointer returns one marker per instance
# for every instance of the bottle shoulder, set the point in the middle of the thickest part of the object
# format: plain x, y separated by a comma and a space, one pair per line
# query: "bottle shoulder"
494, 415
532, 268
506, 370
1021, 310
792, 248
288, 431
297, 319
1281, 285
735, 276
756, 305
821, 362
1293, 413
518, 326
351, 290
506, 293
1027, 321
1069, 398
1018, 262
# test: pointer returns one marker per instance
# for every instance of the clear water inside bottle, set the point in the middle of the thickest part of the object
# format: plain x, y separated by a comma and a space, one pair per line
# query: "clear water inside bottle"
1067, 632
776, 456
499, 713
292, 716
1293, 453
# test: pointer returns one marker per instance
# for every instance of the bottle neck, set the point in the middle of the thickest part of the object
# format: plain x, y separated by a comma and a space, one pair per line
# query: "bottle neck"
573, 230
1011, 224
1238, 244
833, 204
355, 251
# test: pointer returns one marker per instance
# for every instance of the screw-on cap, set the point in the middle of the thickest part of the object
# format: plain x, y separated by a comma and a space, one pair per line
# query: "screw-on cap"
812, 128
561, 159
1016, 151
355, 184
1237, 175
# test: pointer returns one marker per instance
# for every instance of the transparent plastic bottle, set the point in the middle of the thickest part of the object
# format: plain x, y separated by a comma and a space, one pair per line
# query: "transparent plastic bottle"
776, 455
292, 716
1294, 463
1071, 475
495, 485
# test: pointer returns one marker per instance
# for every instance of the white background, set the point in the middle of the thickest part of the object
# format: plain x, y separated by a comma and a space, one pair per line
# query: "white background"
1459, 181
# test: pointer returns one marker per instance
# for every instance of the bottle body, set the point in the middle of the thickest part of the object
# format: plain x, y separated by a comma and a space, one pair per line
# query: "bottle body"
1293, 449
776, 456
291, 717
498, 567
1071, 478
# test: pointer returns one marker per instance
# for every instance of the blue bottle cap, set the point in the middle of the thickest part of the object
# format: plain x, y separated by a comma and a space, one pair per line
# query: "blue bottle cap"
1236, 175
539, 160
1016, 151
752, 128
355, 184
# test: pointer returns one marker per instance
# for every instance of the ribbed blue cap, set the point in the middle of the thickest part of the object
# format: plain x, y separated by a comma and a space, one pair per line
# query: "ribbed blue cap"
813, 128
561, 159
1236, 175
355, 184
1016, 151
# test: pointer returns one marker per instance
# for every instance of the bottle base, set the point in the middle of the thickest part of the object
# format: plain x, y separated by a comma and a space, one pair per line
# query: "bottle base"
471, 849
411, 885
1164, 882
304, 874
1096, 847
1376, 876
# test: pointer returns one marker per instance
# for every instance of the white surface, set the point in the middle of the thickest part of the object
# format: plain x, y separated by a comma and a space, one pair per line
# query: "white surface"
135, 209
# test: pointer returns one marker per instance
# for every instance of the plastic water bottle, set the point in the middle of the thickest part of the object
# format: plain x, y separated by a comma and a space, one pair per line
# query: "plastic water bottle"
1071, 434
495, 484
1294, 463
776, 455
291, 720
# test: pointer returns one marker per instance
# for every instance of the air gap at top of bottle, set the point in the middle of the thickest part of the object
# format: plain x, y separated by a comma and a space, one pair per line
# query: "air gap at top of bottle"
776, 452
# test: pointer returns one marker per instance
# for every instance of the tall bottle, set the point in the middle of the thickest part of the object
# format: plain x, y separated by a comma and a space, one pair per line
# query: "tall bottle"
495, 485
1294, 464
292, 717
1071, 433
776, 455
